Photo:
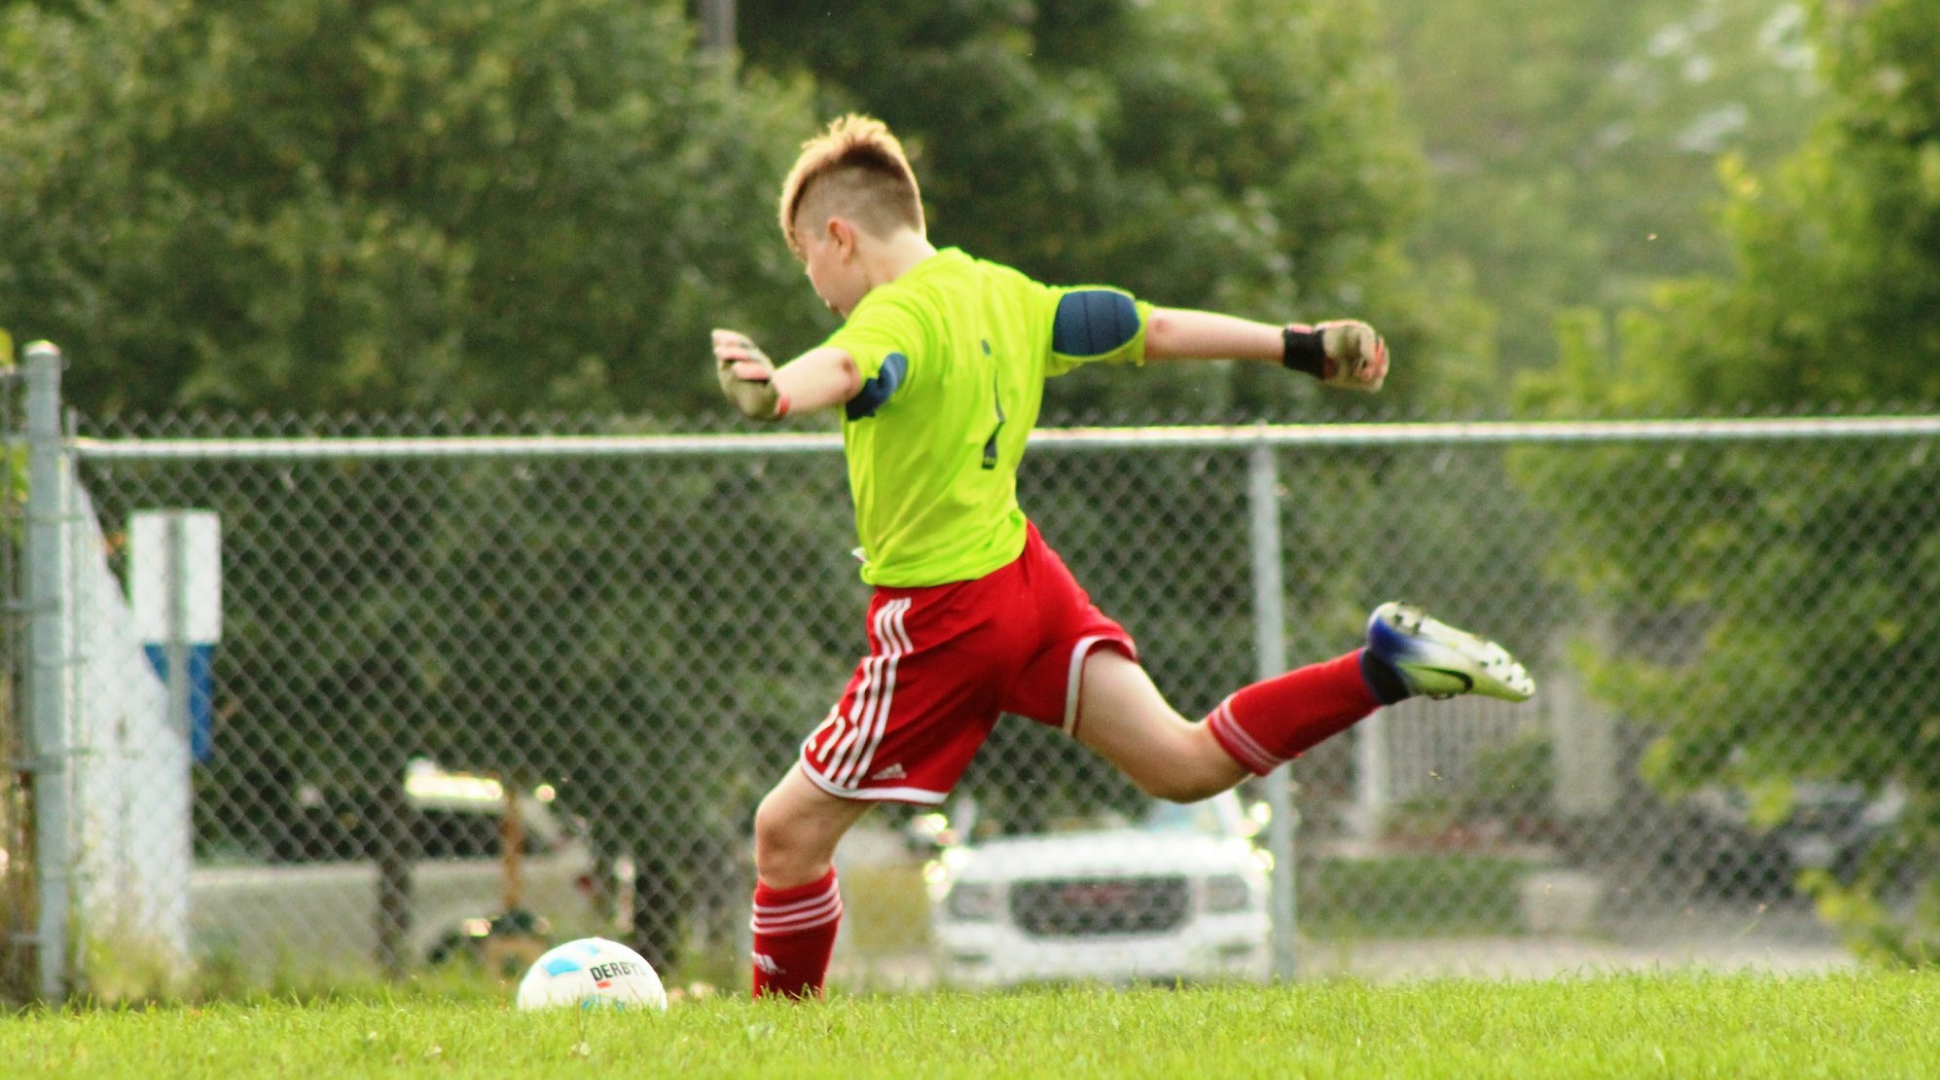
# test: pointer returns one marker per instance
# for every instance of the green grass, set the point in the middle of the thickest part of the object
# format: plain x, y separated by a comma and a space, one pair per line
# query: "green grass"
1867, 1025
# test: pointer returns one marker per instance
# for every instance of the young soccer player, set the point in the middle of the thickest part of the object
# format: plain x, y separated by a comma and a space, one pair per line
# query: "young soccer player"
939, 368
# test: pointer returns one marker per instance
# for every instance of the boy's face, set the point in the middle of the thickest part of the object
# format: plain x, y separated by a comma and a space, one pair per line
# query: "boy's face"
829, 254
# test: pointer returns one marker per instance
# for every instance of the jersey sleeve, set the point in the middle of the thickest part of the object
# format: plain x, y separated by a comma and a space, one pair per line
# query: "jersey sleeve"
1095, 324
882, 339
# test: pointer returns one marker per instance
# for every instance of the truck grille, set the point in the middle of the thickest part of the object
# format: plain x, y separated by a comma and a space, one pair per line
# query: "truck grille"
1100, 907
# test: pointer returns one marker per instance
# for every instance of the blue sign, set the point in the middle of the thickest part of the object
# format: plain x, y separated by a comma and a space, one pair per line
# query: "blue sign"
202, 694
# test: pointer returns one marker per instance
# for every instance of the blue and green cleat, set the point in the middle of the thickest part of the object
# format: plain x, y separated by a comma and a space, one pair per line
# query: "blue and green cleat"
1436, 660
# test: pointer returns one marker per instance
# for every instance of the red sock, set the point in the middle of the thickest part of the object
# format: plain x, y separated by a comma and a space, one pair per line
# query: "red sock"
794, 932
1269, 723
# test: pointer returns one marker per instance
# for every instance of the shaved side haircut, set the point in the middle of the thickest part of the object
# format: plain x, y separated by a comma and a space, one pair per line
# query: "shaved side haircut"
856, 170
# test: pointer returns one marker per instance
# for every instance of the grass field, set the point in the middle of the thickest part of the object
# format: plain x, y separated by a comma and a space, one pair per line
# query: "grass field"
1869, 1025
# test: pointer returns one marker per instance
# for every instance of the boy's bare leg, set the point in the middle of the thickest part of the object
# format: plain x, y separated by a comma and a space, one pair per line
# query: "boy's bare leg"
797, 907
796, 830
1260, 727
1122, 716
1125, 719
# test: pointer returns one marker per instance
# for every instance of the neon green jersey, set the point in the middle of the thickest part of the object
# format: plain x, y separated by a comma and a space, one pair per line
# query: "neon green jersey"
953, 357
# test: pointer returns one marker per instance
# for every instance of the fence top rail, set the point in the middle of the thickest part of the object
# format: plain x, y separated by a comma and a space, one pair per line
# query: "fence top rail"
1231, 437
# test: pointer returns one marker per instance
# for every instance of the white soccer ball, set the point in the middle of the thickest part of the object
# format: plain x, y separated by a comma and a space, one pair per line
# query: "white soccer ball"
592, 973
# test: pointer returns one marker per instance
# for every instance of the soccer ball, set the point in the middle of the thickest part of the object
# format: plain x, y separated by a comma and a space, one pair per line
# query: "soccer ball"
592, 973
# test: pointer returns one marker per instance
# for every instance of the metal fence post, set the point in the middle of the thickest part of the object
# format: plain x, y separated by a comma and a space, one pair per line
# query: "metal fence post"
1270, 648
395, 855
46, 664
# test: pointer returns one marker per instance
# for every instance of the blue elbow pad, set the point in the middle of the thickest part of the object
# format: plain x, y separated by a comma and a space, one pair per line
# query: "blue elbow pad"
1093, 322
877, 391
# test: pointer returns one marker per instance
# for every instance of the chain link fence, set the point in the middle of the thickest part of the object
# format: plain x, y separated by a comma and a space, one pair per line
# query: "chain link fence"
468, 693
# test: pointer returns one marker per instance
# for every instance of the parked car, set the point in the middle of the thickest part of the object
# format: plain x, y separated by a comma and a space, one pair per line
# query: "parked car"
1829, 826
1182, 894
313, 908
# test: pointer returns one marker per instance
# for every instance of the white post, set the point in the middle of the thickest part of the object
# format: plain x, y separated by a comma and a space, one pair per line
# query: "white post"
1270, 651
1371, 789
176, 630
1584, 735
153, 655
46, 665
717, 25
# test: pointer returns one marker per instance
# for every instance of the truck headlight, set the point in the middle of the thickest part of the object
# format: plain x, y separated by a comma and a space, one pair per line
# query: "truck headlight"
973, 902
1227, 893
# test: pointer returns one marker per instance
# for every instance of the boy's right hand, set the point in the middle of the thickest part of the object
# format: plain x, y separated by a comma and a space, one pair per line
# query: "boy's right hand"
747, 376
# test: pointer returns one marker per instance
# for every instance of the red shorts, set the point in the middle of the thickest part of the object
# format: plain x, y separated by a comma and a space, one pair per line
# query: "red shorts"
943, 661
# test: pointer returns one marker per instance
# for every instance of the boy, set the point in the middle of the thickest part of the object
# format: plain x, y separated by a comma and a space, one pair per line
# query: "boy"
939, 367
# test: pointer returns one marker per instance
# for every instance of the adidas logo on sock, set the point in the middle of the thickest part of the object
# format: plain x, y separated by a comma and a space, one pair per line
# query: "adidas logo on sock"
894, 772
767, 964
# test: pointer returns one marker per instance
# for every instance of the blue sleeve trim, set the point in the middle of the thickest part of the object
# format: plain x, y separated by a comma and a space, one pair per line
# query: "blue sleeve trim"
1093, 322
876, 392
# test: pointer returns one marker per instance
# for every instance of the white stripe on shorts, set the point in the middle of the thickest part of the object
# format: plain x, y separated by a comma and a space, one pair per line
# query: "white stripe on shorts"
837, 758
870, 717
919, 796
900, 646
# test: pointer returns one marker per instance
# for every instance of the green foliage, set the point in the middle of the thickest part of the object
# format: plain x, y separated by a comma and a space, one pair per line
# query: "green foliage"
1875, 930
1381, 897
1239, 155
326, 204
1834, 301
1510, 777
1574, 146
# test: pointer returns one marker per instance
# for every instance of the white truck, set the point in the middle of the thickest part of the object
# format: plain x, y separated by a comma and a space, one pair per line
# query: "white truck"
1182, 894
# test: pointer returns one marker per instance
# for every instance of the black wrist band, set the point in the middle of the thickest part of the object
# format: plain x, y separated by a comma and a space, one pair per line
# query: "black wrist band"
1304, 350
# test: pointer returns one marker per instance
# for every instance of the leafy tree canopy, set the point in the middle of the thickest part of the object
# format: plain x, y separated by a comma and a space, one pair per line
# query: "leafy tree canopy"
1238, 155
1573, 147
1833, 300
329, 205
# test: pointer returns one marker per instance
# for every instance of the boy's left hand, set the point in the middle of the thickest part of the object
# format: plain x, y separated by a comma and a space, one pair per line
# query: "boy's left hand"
1357, 357
747, 376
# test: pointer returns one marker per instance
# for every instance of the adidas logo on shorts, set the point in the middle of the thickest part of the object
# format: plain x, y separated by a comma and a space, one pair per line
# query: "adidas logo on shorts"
894, 772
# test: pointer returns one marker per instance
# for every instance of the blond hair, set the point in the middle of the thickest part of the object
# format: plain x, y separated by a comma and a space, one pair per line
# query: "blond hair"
856, 169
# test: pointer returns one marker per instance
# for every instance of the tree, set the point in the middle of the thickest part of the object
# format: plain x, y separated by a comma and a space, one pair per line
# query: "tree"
1240, 155
1573, 147
328, 205
1828, 614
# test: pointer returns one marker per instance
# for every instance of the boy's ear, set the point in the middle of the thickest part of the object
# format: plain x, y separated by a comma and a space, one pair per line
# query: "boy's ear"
842, 232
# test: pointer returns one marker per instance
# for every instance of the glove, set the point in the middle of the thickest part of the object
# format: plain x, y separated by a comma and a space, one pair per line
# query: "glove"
1343, 353
747, 377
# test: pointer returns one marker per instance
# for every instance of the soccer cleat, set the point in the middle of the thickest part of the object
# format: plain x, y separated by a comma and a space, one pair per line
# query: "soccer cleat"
1438, 661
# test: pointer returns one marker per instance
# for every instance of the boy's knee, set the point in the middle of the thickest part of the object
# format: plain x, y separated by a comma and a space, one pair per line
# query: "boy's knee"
786, 851
771, 829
